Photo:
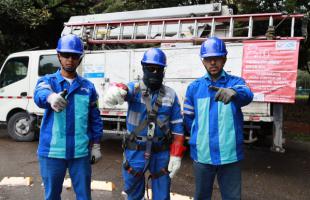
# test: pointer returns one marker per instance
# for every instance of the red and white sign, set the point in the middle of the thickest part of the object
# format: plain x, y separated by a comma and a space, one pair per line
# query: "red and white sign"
270, 69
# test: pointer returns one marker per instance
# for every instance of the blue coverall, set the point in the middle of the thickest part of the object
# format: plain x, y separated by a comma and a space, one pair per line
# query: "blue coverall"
65, 136
170, 112
216, 129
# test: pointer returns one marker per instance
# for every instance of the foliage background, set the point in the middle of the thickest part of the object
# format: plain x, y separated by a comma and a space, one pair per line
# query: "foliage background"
37, 24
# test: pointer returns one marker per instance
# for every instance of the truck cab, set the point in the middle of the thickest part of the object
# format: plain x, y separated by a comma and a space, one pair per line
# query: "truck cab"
18, 77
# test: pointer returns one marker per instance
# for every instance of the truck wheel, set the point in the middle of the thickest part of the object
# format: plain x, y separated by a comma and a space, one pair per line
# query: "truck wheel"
20, 127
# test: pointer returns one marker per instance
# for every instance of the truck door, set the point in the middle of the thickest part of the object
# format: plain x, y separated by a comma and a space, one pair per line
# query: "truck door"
44, 63
14, 85
102, 68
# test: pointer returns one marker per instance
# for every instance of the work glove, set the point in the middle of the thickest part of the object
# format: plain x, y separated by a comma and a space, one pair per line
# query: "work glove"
174, 165
176, 153
58, 101
115, 94
95, 153
223, 94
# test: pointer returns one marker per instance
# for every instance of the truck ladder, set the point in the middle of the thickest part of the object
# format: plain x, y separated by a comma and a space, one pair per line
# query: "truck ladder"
189, 29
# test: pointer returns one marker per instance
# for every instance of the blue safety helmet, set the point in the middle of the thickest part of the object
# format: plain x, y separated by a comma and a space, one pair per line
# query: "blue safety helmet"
154, 56
213, 47
70, 44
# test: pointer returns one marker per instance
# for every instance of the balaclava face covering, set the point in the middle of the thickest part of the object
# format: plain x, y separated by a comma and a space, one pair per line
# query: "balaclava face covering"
152, 80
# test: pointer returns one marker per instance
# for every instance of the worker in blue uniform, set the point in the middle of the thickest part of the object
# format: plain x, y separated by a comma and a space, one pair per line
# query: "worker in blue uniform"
213, 117
155, 127
71, 128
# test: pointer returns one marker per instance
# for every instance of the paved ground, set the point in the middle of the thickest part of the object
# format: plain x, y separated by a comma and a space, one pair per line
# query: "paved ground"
266, 175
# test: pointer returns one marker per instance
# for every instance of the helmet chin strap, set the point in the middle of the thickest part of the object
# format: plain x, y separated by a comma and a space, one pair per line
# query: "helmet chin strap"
70, 69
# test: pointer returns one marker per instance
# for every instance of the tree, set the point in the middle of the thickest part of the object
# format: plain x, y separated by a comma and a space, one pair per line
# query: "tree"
29, 24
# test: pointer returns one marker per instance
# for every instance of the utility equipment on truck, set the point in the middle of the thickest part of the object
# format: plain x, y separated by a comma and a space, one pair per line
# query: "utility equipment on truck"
115, 43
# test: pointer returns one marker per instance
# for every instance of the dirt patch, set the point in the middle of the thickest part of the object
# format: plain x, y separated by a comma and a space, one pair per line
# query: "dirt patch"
291, 127
296, 123
297, 112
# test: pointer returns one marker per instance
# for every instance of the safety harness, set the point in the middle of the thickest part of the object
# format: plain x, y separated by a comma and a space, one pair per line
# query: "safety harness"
133, 141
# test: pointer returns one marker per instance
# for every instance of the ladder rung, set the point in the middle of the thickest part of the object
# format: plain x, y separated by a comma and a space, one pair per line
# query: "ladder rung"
195, 29
212, 28
163, 32
231, 28
107, 32
292, 27
181, 29
148, 30
120, 36
250, 31
270, 21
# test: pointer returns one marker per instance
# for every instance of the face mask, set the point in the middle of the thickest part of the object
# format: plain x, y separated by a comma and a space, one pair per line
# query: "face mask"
152, 80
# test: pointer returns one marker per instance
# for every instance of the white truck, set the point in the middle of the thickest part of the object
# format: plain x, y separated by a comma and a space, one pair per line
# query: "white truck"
112, 55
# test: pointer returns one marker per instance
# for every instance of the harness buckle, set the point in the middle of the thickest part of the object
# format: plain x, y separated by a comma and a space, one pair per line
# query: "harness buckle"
150, 130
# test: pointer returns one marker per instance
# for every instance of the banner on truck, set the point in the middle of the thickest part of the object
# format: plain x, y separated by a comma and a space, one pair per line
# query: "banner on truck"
270, 69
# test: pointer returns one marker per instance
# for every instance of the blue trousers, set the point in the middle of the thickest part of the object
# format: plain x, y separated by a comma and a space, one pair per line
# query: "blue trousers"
53, 171
160, 186
228, 177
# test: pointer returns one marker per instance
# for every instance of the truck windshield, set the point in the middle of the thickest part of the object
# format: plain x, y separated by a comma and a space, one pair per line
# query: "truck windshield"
48, 64
14, 70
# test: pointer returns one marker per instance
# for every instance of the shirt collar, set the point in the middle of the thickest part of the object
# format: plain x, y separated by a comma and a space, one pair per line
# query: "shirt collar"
60, 78
222, 76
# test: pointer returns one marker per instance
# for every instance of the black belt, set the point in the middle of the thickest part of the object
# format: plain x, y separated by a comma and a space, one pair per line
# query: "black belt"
132, 145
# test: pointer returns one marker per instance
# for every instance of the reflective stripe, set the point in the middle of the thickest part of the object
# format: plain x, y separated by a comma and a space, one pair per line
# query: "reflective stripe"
188, 106
44, 85
188, 112
167, 101
176, 121
174, 133
134, 118
241, 86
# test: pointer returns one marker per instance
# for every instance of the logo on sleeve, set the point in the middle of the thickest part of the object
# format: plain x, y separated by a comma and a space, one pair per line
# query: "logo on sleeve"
85, 89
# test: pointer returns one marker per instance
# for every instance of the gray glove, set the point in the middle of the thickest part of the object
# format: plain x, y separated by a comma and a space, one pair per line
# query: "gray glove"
95, 153
115, 94
174, 165
223, 94
58, 101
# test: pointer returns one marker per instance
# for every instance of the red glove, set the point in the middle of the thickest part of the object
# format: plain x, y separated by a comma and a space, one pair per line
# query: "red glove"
122, 85
177, 148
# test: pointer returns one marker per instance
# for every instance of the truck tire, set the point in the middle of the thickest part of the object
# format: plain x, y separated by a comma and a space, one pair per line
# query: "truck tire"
20, 127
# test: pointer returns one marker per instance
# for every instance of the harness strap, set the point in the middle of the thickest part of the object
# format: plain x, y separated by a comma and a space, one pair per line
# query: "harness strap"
132, 145
164, 126
150, 120
130, 170
151, 111
162, 172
